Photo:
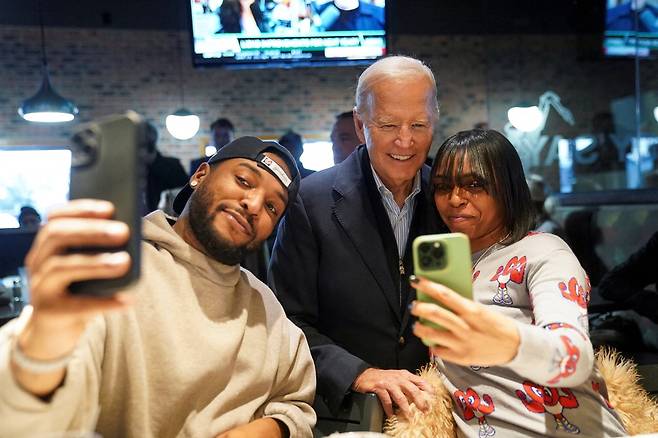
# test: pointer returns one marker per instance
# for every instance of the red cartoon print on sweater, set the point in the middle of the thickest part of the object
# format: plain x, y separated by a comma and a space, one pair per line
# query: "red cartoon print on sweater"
566, 362
513, 271
476, 274
575, 293
474, 406
541, 399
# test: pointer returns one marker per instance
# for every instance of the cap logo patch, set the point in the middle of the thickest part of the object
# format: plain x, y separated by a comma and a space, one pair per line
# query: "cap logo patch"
276, 169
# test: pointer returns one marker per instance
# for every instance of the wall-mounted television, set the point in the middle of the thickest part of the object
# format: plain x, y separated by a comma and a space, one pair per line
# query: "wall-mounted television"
287, 33
631, 28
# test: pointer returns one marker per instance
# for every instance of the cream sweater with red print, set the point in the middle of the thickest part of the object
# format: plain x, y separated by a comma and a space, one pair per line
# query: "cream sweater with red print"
550, 388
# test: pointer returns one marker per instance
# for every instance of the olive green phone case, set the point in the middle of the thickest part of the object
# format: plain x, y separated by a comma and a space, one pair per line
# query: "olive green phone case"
445, 259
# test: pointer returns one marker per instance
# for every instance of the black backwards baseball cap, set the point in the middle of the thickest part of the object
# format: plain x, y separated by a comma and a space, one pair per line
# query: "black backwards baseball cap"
252, 148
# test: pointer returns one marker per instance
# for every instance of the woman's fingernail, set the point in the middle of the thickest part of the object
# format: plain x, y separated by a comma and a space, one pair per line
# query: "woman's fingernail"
413, 279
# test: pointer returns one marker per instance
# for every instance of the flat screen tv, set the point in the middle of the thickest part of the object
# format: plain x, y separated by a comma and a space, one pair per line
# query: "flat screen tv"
287, 33
631, 28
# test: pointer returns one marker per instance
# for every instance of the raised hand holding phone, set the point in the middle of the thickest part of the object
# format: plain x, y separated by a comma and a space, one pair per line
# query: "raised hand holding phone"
456, 328
86, 253
56, 319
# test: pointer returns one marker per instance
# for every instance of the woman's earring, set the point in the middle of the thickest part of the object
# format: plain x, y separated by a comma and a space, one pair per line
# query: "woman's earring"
193, 184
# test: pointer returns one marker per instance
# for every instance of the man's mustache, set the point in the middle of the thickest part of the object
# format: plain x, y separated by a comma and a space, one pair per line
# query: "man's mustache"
241, 211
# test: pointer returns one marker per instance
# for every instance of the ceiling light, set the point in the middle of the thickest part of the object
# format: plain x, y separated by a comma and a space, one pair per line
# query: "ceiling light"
210, 150
182, 124
47, 106
655, 113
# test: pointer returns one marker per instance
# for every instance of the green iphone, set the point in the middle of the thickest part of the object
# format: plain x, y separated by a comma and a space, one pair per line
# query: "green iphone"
445, 259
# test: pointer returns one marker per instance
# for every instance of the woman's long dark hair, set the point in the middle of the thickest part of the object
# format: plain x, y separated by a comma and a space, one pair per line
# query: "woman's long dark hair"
493, 158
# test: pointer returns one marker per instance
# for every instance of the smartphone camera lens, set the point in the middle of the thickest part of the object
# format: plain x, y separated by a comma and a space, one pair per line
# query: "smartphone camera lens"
426, 261
437, 251
84, 147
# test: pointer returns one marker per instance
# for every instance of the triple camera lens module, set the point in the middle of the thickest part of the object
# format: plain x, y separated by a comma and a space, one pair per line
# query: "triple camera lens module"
431, 255
85, 146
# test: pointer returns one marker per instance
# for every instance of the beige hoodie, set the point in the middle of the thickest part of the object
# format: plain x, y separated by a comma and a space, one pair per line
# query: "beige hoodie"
206, 348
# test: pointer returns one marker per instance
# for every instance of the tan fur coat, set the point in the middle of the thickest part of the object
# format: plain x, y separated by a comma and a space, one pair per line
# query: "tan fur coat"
636, 408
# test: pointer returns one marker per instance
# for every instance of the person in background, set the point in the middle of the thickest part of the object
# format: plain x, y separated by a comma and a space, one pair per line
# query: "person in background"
627, 283
29, 218
544, 223
162, 172
258, 261
222, 133
197, 347
516, 358
242, 16
295, 144
351, 15
343, 252
344, 138
583, 234
622, 16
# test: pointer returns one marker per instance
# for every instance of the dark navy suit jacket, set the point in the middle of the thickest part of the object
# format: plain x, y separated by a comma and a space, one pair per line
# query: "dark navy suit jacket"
331, 269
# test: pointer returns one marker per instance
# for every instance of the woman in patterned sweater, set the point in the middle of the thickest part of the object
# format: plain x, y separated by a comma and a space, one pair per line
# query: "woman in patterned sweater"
517, 359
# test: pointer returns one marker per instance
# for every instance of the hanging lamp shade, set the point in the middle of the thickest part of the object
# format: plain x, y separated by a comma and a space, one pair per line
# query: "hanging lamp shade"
47, 106
182, 124
525, 117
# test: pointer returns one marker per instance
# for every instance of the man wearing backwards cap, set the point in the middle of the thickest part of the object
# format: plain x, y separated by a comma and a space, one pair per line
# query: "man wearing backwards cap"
202, 348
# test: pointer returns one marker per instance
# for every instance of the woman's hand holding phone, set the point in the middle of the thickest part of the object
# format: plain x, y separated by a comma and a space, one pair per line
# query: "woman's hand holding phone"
471, 334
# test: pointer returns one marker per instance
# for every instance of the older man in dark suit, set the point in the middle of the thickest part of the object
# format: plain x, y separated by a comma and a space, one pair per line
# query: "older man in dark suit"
342, 258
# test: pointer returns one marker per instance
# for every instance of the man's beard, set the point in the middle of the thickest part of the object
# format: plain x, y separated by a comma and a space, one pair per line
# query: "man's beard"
201, 223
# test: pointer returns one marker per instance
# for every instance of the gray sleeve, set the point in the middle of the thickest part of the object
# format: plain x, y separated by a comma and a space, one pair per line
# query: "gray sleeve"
556, 350
73, 406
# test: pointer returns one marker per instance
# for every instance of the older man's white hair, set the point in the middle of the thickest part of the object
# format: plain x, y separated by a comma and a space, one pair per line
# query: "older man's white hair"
394, 68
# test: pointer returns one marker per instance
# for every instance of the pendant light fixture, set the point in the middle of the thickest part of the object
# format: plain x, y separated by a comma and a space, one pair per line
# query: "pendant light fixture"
46, 106
182, 124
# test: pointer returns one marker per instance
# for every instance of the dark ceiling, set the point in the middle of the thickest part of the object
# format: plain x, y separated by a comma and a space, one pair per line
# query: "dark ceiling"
429, 17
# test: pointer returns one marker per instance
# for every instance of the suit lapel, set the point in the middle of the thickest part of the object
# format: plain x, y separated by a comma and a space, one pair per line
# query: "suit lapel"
354, 212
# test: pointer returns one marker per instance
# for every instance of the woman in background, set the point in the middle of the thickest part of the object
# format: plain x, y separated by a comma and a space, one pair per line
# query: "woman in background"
241, 16
517, 358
